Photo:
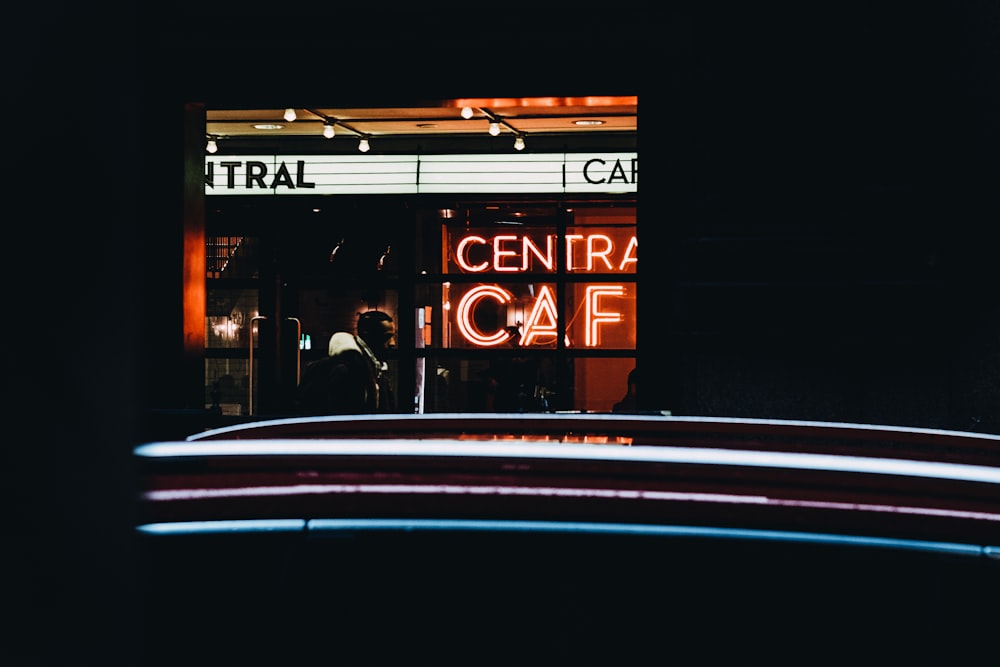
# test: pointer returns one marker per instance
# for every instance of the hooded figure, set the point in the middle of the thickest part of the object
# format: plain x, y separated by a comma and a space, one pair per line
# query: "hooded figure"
349, 379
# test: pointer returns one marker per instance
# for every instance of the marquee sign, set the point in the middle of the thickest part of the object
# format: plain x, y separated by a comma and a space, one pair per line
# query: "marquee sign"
577, 173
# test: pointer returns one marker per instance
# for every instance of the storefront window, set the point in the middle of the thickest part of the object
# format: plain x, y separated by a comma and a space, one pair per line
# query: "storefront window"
526, 306
523, 300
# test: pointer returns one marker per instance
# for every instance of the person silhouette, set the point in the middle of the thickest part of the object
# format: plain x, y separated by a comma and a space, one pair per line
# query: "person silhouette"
353, 377
628, 401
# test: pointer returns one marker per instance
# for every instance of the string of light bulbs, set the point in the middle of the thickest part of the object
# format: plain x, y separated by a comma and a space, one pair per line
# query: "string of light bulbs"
496, 125
330, 129
330, 124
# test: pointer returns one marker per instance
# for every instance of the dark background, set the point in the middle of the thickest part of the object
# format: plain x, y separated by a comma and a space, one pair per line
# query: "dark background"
825, 197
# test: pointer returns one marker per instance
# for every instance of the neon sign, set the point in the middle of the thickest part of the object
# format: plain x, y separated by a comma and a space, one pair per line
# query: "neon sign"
513, 253
596, 316
490, 314
466, 321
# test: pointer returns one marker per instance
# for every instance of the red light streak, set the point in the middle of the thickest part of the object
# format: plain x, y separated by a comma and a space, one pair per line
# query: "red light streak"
168, 495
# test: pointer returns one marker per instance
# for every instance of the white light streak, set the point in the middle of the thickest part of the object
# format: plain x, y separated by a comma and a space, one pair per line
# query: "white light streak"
590, 452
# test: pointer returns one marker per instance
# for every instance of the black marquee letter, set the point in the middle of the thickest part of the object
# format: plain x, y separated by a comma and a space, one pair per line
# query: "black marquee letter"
282, 177
230, 168
587, 166
617, 173
300, 176
256, 171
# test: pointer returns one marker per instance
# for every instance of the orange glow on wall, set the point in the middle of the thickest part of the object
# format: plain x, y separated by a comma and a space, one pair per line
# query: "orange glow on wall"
195, 298
513, 102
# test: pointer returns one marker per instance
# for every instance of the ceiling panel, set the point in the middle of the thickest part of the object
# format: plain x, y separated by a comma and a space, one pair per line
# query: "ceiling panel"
538, 116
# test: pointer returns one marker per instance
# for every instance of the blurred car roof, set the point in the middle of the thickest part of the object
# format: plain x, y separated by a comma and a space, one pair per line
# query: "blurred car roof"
865, 481
567, 539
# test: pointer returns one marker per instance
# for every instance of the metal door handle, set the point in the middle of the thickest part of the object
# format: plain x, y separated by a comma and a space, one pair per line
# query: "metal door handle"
250, 365
298, 349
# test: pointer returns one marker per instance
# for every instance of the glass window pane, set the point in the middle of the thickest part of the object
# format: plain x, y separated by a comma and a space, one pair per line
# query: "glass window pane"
504, 249
502, 382
602, 315
227, 386
228, 313
509, 382
601, 250
492, 315
232, 257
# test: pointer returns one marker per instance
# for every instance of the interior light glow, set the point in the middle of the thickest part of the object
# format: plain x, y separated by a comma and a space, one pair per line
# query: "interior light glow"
211, 146
328, 130
466, 112
363, 145
268, 126
587, 101
519, 143
494, 128
289, 114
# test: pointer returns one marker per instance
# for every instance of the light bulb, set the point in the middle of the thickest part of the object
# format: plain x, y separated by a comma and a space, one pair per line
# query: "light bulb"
519, 143
466, 112
328, 130
494, 128
289, 114
363, 145
211, 147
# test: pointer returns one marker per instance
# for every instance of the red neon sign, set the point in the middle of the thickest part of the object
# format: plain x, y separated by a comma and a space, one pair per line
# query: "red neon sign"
602, 314
529, 253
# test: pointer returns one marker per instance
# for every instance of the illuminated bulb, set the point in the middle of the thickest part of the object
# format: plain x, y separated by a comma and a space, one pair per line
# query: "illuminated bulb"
519, 143
289, 115
363, 145
466, 112
211, 147
494, 128
328, 130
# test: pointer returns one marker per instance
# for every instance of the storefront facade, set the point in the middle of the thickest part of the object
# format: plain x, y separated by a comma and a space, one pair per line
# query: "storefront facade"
795, 259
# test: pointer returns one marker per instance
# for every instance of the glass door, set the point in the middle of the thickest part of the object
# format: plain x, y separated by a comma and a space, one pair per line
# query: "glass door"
281, 281
232, 321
